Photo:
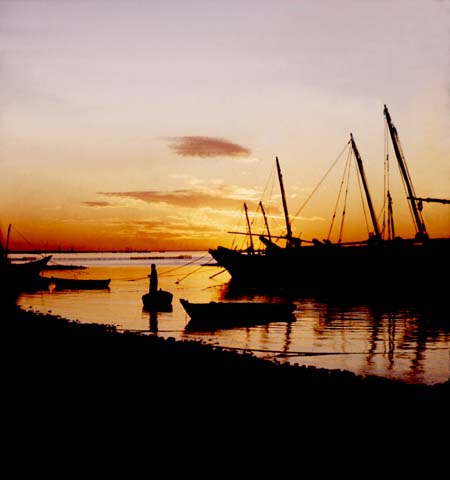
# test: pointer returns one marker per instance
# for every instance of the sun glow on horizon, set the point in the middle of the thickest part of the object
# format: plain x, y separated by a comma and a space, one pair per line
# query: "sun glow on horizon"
121, 130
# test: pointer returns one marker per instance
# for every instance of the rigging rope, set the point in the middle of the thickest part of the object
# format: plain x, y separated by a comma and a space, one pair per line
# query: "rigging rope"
234, 241
26, 240
320, 182
344, 207
271, 179
339, 194
184, 265
254, 218
363, 204
164, 274
194, 271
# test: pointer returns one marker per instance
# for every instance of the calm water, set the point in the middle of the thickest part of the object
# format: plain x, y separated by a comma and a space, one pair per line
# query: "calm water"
405, 344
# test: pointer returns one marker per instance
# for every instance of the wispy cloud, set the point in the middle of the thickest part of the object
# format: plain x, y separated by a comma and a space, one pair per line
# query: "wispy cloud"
175, 227
181, 198
197, 146
97, 204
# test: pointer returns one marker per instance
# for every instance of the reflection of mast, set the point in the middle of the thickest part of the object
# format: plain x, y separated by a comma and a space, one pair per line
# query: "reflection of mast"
391, 339
249, 229
377, 319
153, 321
283, 197
374, 337
265, 220
421, 347
421, 232
287, 338
366, 188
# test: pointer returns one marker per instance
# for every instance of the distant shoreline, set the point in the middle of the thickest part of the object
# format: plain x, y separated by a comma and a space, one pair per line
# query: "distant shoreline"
46, 252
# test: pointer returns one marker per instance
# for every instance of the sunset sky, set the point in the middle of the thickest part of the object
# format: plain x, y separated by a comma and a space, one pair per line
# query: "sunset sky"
131, 124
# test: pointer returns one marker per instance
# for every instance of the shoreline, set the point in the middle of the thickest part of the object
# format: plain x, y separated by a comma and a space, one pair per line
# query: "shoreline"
62, 354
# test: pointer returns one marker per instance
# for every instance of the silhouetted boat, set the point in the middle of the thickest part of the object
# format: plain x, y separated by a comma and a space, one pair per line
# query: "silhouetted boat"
79, 283
156, 300
64, 267
28, 269
218, 315
383, 264
160, 301
16, 278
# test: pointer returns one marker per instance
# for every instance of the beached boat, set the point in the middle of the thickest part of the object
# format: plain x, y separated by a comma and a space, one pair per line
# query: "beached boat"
19, 277
64, 267
218, 315
29, 269
383, 264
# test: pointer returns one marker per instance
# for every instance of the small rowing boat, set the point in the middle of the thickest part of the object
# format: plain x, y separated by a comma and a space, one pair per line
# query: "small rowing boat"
79, 283
156, 300
159, 301
218, 315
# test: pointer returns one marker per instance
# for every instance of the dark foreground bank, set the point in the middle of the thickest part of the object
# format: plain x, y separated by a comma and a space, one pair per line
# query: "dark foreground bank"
53, 356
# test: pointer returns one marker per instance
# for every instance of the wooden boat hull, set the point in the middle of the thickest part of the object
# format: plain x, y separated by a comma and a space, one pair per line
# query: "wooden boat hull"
159, 301
79, 284
391, 269
384, 266
30, 268
17, 278
219, 315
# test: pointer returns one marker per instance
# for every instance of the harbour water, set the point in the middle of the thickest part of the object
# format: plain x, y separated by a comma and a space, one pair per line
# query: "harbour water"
404, 343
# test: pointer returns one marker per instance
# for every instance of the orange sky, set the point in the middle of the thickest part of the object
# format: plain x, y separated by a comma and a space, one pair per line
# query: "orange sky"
147, 125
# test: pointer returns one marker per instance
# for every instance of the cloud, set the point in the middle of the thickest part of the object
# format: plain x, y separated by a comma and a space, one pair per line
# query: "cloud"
173, 226
181, 198
97, 204
216, 196
193, 146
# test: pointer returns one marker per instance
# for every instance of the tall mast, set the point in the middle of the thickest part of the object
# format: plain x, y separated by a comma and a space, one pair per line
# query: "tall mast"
283, 197
366, 188
390, 217
2, 250
418, 220
7, 240
249, 229
265, 220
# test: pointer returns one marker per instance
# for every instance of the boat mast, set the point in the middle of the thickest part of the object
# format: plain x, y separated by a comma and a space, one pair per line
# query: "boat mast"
391, 228
420, 225
249, 229
7, 240
265, 220
366, 188
283, 197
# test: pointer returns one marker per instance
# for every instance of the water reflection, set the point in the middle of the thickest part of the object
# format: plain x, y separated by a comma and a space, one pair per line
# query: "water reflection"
153, 316
397, 339
153, 324
370, 337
